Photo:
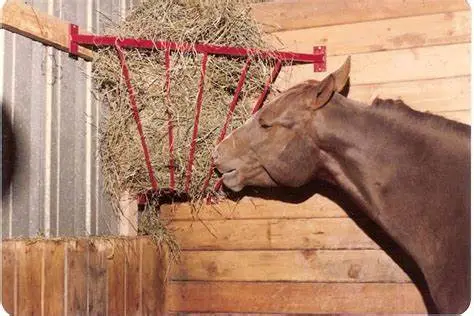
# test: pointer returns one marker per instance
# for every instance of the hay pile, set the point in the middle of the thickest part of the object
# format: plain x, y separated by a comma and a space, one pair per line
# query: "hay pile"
223, 22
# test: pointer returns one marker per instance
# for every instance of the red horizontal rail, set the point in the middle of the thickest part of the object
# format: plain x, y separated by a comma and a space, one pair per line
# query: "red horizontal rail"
96, 40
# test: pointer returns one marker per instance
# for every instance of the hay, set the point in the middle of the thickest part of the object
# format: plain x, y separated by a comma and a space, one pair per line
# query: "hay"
223, 22
152, 225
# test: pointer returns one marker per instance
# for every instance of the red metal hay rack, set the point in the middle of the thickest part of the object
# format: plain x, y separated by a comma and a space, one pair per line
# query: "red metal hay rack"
318, 58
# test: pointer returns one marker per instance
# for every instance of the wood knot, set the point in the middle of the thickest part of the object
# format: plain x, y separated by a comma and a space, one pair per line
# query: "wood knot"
354, 271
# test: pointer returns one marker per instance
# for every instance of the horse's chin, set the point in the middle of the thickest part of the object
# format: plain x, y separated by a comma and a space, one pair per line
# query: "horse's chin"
232, 181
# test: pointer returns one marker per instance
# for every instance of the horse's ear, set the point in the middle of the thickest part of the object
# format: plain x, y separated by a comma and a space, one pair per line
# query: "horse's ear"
334, 82
341, 76
324, 92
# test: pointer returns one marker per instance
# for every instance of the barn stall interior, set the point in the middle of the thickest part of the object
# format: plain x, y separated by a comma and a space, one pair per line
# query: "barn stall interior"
306, 255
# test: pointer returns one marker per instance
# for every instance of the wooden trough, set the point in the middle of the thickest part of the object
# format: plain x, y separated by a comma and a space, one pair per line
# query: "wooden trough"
262, 256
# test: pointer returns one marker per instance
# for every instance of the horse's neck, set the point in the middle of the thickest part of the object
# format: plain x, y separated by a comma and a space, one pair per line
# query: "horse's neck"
346, 141
381, 162
410, 172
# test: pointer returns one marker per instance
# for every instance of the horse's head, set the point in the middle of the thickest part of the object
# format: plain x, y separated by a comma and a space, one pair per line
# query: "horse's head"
279, 144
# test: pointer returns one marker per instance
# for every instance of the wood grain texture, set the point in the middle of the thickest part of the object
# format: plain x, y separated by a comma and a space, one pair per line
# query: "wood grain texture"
422, 63
154, 272
9, 276
291, 265
434, 95
314, 233
390, 34
97, 277
54, 257
25, 20
30, 277
116, 287
249, 208
290, 15
284, 297
133, 278
77, 259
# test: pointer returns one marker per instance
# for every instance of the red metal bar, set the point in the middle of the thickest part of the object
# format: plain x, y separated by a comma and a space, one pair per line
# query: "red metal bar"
86, 39
170, 119
230, 112
73, 33
136, 116
217, 187
192, 150
321, 51
270, 80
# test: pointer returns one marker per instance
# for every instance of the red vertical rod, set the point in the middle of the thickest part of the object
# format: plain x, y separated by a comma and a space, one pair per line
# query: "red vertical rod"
258, 105
136, 116
273, 76
230, 112
170, 119
192, 150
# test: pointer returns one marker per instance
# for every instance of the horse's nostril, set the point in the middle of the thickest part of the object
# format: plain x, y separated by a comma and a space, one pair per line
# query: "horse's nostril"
219, 174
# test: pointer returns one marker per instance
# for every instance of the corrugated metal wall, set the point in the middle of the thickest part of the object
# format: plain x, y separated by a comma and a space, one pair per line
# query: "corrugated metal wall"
56, 188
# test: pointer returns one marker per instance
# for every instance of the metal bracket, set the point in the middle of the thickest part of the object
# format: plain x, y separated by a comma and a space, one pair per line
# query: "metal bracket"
73, 46
320, 50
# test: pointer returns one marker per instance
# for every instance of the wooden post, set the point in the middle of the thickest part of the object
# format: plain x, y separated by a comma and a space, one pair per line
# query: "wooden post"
128, 217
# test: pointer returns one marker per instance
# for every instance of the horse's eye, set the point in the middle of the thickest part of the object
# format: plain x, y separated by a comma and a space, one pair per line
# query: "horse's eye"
265, 125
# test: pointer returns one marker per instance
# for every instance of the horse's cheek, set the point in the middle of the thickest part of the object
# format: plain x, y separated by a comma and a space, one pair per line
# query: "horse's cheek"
296, 164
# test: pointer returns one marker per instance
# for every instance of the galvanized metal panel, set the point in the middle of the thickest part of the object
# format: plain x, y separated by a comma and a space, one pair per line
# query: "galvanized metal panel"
57, 187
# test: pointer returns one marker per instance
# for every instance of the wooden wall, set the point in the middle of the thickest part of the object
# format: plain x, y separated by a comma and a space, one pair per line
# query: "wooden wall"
87, 276
415, 50
272, 257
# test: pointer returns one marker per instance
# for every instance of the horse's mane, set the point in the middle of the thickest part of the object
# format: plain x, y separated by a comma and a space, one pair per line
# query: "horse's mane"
398, 108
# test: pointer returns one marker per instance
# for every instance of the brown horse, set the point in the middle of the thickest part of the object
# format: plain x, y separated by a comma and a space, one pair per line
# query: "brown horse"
409, 171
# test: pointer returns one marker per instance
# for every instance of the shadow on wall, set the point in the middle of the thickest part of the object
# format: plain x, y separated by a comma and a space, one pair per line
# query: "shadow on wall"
8, 151
299, 195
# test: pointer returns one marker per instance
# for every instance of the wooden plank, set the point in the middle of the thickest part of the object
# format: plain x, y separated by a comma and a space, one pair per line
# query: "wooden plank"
460, 116
319, 233
97, 277
434, 95
54, 257
290, 15
154, 272
9, 276
284, 297
116, 278
305, 265
77, 273
437, 29
23, 19
30, 270
132, 278
248, 208
390, 66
